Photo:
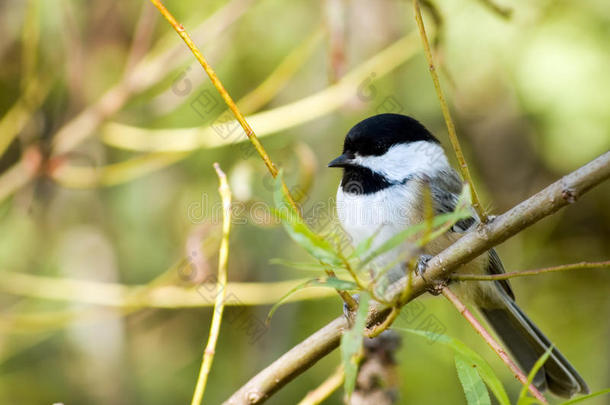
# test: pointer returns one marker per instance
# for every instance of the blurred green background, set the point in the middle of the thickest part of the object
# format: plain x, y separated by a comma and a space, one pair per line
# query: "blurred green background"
530, 95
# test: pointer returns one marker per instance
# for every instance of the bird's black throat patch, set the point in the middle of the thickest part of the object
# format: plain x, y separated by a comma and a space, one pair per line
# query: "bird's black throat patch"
359, 180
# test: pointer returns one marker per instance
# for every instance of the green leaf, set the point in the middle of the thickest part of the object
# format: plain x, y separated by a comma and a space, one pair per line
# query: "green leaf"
351, 345
330, 282
530, 401
522, 400
307, 266
298, 230
365, 245
438, 221
474, 387
584, 397
484, 369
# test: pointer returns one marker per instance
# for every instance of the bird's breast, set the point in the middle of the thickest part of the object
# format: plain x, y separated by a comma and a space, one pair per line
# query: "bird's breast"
385, 212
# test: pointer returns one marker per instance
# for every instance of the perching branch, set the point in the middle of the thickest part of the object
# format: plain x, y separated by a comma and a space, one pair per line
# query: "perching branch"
513, 274
559, 194
221, 290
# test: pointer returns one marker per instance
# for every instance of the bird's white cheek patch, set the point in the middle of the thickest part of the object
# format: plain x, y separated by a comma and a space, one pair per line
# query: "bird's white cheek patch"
403, 160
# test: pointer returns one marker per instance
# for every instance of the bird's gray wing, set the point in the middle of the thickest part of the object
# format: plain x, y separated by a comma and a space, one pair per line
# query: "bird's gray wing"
445, 188
495, 267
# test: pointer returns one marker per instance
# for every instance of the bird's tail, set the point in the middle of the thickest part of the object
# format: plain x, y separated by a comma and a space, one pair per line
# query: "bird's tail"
527, 343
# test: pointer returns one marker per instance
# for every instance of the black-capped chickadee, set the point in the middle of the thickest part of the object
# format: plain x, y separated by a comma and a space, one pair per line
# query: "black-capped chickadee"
387, 162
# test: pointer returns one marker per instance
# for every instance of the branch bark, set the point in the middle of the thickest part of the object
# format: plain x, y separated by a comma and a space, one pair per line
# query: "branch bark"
559, 194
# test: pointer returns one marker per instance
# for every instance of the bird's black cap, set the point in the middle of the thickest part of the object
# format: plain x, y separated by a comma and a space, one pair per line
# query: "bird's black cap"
375, 135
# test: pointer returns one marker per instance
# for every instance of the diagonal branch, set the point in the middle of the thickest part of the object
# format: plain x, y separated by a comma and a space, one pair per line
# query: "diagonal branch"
559, 194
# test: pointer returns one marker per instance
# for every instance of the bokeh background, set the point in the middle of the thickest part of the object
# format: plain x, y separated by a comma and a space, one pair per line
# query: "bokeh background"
96, 187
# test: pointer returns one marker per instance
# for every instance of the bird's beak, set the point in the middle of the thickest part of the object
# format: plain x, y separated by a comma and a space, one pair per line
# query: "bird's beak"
341, 161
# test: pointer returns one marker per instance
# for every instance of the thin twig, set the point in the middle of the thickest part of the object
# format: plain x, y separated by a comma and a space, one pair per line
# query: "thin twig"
221, 290
447, 115
512, 274
324, 390
218, 84
240, 118
336, 26
387, 322
495, 346
300, 358
145, 27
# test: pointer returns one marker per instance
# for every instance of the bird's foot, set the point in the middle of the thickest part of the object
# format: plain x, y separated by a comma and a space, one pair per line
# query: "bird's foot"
422, 265
435, 287
347, 311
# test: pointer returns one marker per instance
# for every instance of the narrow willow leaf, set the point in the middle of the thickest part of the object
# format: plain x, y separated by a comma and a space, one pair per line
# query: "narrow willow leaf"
333, 282
365, 245
396, 240
585, 397
308, 266
530, 377
298, 230
530, 401
351, 345
329, 282
484, 369
472, 383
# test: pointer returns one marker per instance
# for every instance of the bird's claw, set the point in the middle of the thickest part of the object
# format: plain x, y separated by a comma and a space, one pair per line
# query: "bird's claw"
434, 288
349, 313
422, 265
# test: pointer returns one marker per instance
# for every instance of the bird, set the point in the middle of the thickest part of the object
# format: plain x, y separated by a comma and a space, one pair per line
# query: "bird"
388, 161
